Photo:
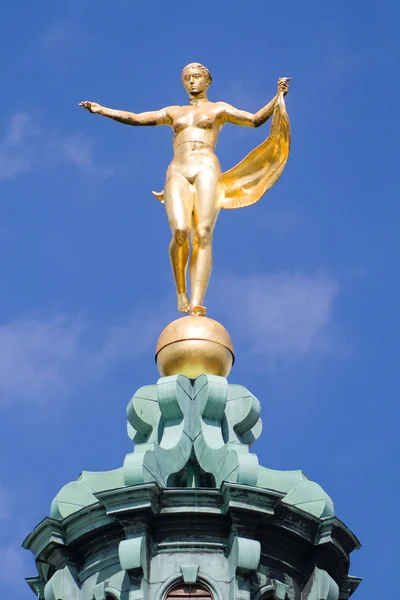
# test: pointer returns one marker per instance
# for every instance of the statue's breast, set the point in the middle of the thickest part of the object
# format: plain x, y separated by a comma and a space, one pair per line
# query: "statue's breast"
182, 123
204, 121
198, 120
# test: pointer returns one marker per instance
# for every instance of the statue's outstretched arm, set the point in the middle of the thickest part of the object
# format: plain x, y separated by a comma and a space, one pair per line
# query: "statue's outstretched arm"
242, 117
233, 115
156, 117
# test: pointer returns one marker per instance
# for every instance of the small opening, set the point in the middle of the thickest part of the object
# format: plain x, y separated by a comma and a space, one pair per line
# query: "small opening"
191, 476
182, 591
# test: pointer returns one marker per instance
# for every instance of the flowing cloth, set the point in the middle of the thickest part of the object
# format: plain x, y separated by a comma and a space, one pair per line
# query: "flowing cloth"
246, 182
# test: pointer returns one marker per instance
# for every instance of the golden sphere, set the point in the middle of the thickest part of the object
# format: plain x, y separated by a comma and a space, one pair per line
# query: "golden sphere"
194, 345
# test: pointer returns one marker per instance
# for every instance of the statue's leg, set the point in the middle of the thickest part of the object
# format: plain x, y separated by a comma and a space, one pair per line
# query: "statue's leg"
208, 197
178, 199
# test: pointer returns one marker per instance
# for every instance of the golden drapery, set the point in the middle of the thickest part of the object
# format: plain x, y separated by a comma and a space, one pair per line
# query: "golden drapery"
248, 181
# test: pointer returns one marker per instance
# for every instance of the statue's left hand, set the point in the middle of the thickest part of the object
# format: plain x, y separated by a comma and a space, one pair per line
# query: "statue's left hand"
283, 85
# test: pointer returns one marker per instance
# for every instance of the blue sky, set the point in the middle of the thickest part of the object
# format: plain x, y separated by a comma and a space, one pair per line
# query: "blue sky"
306, 281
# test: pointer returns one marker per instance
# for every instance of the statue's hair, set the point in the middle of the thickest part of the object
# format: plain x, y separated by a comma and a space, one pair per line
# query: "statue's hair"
200, 67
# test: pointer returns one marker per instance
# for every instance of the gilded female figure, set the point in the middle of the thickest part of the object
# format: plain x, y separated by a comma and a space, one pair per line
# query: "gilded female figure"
195, 188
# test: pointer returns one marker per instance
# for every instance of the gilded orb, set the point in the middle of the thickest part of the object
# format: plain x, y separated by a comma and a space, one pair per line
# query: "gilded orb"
194, 345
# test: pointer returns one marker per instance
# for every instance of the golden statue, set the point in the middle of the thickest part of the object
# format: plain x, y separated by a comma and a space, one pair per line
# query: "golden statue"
195, 187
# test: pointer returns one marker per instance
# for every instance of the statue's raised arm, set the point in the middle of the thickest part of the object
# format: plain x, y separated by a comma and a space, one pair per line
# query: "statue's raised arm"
242, 117
155, 117
195, 188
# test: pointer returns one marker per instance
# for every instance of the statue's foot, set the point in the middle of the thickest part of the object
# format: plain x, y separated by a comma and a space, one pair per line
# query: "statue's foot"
183, 303
199, 310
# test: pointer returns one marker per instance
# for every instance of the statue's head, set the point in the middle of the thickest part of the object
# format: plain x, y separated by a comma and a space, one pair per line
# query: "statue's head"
196, 78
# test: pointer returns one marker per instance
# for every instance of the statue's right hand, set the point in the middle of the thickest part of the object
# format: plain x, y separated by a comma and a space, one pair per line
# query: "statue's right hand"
92, 107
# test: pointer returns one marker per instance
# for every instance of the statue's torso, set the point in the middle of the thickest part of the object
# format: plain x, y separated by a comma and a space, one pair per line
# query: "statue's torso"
196, 129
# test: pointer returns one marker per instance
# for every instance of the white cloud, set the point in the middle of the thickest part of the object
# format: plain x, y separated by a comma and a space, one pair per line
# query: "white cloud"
17, 145
127, 340
78, 150
27, 145
41, 357
274, 319
36, 355
279, 317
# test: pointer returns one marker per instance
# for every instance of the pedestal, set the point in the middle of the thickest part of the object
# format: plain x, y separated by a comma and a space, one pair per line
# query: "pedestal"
191, 513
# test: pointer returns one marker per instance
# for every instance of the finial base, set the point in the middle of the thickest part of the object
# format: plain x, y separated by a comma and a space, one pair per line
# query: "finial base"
194, 345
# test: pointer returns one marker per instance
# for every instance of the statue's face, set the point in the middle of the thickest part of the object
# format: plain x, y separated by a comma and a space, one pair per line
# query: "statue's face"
195, 80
